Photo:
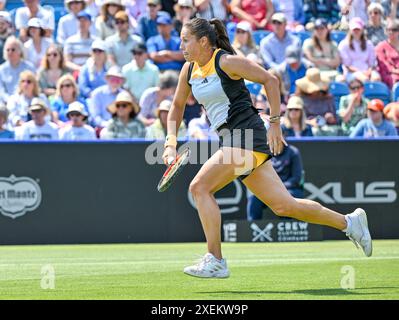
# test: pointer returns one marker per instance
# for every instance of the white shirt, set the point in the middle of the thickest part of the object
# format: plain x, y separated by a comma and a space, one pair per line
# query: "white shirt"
31, 131
76, 45
22, 16
32, 55
77, 133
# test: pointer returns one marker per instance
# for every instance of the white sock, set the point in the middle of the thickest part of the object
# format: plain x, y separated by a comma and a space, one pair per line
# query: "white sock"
348, 224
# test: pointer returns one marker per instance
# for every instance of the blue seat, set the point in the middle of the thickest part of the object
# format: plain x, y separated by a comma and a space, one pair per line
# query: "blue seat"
377, 90
258, 35
254, 88
303, 35
395, 92
338, 89
337, 35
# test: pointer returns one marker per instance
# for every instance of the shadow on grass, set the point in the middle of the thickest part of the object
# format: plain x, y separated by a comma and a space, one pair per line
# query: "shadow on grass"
312, 292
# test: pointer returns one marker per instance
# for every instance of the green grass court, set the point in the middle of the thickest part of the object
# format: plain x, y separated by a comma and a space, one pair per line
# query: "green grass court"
264, 271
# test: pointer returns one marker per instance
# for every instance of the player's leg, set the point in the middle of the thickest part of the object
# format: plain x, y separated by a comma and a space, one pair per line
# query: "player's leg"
268, 187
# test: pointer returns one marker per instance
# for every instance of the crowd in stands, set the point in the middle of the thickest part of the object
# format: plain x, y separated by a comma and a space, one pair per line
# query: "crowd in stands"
108, 69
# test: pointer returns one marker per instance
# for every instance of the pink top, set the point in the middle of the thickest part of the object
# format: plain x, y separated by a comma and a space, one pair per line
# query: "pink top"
357, 58
388, 60
255, 8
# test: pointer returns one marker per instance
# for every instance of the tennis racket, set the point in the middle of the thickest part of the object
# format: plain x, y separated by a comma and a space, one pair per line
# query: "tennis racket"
173, 170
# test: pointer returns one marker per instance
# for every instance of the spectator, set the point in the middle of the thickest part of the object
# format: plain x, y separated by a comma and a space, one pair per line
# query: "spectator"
391, 112
68, 25
140, 74
319, 105
258, 13
6, 30
67, 92
294, 121
120, 45
322, 51
164, 49
293, 11
192, 109
10, 70
103, 96
353, 107
184, 12
375, 125
33, 9
328, 10
388, 55
38, 128
124, 123
37, 44
52, 68
151, 97
105, 22
244, 43
147, 24
353, 9
209, 9
375, 27
18, 103
78, 47
357, 53
273, 46
135, 9
391, 8
4, 133
76, 128
292, 69
94, 70
200, 128
288, 165
157, 131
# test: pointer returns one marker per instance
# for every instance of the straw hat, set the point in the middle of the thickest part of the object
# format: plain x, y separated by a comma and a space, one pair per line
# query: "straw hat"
295, 102
312, 82
38, 104
124, 97
163, 106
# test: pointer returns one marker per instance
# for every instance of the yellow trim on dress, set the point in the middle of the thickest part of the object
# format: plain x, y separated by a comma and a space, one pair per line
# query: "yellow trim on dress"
206, 70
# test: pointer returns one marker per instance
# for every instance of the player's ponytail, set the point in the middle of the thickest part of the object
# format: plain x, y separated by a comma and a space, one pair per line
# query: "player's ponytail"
214, 30
222, 38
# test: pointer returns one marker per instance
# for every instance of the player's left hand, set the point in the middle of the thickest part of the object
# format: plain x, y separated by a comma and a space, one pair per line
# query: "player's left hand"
275, 139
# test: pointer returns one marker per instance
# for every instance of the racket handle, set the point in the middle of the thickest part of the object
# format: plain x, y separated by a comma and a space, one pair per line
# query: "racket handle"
170, 160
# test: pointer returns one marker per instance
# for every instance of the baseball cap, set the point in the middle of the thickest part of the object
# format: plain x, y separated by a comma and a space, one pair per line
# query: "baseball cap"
121, 15
156, 2
280, 17
185, 3
35, 23
356, 23
115, 71
4, 15
292, 54
140, 47
99, 44
164, 19
244, 25
76, 106
84, 14
375, 105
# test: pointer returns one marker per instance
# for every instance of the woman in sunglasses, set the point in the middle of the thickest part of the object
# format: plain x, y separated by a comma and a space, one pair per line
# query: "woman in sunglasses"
244, 43
52, 69
18, 103
67, 92
352, 107
105, 22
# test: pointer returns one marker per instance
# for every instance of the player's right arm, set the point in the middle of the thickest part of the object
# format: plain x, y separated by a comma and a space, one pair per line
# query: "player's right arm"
176, 112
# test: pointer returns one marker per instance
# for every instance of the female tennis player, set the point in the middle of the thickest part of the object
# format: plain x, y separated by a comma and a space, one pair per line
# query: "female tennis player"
215, 75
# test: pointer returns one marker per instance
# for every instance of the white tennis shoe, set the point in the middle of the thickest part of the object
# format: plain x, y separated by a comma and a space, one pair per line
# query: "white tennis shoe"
358, 231
208, 267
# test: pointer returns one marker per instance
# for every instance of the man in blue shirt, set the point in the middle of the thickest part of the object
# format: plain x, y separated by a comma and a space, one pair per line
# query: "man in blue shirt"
273, 46
164, 49
375, 125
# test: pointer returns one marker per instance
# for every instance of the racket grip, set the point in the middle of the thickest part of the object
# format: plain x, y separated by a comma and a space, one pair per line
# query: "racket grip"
170, 160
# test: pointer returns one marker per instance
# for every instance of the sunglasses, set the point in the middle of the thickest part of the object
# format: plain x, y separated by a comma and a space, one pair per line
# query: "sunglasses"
97, 51
354, 88
184, 7
294, 109
276, 22
120, 21
122, 105
74, 114
375, 12
151, 5
240, 31
138, 53
26, 81
67, 85
53, 54
393, 29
